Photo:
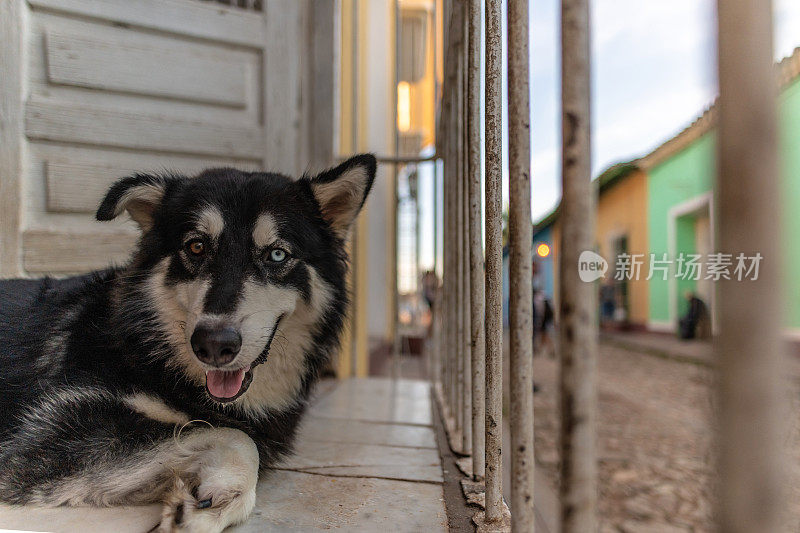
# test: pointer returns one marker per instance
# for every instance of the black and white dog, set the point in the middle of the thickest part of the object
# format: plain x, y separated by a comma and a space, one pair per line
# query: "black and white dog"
176, 378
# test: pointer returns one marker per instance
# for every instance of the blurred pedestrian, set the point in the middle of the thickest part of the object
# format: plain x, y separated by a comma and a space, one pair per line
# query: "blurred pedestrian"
543, 319
608, 301
695, 313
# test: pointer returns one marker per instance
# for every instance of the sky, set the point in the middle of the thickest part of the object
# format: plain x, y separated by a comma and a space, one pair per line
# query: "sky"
654, 72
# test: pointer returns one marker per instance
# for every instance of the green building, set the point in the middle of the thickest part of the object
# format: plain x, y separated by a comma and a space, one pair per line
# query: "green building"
680, 211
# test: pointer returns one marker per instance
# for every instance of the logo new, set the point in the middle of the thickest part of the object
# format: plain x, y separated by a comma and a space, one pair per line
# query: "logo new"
591, 266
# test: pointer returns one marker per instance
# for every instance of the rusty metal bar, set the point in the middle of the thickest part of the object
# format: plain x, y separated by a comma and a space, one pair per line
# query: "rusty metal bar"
394, 160
748, 348
520, 235
457, 368
447, 245
452, 316
396, 340
578, 330
436, 344
466, 413
459, 237
446, 249
354, 146
457, 25
494, 263
476, 278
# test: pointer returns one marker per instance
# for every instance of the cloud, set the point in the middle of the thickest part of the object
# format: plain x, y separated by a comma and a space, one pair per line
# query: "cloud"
546, 187
787, 27
647, 123
653, 72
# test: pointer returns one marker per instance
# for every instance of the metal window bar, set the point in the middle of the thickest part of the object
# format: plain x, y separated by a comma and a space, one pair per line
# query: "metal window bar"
459, 247
452, 243
447, 247
464, 288
476, 276
520, 269
434, 363
748, 348
494, 264
577, 329
455, 134
452, 347
751, 401
396, 347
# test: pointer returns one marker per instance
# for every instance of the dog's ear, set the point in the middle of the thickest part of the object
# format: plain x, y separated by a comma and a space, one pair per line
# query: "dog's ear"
342, 190
139, 195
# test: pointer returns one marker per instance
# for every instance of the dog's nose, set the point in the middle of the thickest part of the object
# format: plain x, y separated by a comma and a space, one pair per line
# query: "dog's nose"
216, 345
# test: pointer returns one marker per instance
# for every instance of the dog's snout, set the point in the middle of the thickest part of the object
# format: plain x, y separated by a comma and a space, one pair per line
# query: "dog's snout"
216, 346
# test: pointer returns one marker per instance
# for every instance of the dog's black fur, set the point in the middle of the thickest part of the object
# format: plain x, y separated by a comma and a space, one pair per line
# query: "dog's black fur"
99, 337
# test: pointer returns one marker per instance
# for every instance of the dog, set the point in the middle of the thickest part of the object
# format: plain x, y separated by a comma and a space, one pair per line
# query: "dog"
179, 377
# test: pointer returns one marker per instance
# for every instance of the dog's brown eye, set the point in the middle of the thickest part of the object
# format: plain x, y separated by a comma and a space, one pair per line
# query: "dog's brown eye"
196, 247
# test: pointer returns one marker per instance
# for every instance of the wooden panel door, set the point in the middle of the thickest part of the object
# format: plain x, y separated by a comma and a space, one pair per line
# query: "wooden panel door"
97, 89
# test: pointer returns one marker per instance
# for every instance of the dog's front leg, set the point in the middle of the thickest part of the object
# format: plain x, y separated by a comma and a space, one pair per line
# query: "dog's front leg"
216, 485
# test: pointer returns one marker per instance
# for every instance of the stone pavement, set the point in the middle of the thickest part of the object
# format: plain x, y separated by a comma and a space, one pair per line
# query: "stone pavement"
366, 460
655, 441
662, 345
699, 352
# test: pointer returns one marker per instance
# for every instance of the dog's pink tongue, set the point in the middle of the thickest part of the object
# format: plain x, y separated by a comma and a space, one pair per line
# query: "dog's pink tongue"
224, 384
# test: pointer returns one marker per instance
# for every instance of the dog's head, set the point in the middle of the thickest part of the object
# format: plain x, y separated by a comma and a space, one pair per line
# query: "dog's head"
226, 257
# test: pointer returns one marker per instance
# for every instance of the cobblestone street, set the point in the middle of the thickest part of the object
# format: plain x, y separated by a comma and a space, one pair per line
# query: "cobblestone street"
655, 447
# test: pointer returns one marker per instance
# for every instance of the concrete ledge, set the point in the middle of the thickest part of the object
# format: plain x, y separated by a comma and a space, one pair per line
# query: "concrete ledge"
366, 461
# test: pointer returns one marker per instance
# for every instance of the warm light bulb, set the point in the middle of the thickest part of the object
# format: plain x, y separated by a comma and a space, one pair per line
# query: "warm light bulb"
403, 106
542, 250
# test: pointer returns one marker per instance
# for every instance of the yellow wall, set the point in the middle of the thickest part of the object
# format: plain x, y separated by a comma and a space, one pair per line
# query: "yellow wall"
344, 359
353, 357
622, 210
423, 91
366, 123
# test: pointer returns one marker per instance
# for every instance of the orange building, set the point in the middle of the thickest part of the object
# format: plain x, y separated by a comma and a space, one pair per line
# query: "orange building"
620, 228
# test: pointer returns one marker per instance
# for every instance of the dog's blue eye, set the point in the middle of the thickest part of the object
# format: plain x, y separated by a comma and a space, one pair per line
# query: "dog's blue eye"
278, 255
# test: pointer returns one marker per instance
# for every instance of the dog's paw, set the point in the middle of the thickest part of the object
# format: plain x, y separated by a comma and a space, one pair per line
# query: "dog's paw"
178, 502
188, 507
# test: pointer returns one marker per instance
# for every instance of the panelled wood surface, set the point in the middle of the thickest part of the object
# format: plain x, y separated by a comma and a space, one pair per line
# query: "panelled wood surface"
283, 94
115, 86
148, 95
79, 188
186, 71
11, 12
66, 252
188, 17
102, 127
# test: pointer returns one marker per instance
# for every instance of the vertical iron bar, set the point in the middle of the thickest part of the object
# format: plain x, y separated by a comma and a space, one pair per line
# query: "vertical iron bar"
447, 186
446, 196
494, 263
578, 330
459, 238
520, 235
450, 175
445, 297
453, 344
355, 149
476, 279
748, 348
466, 413
435, 352
397, 346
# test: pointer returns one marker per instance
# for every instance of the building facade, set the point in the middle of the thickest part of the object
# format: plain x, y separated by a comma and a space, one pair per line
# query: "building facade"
661, 207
